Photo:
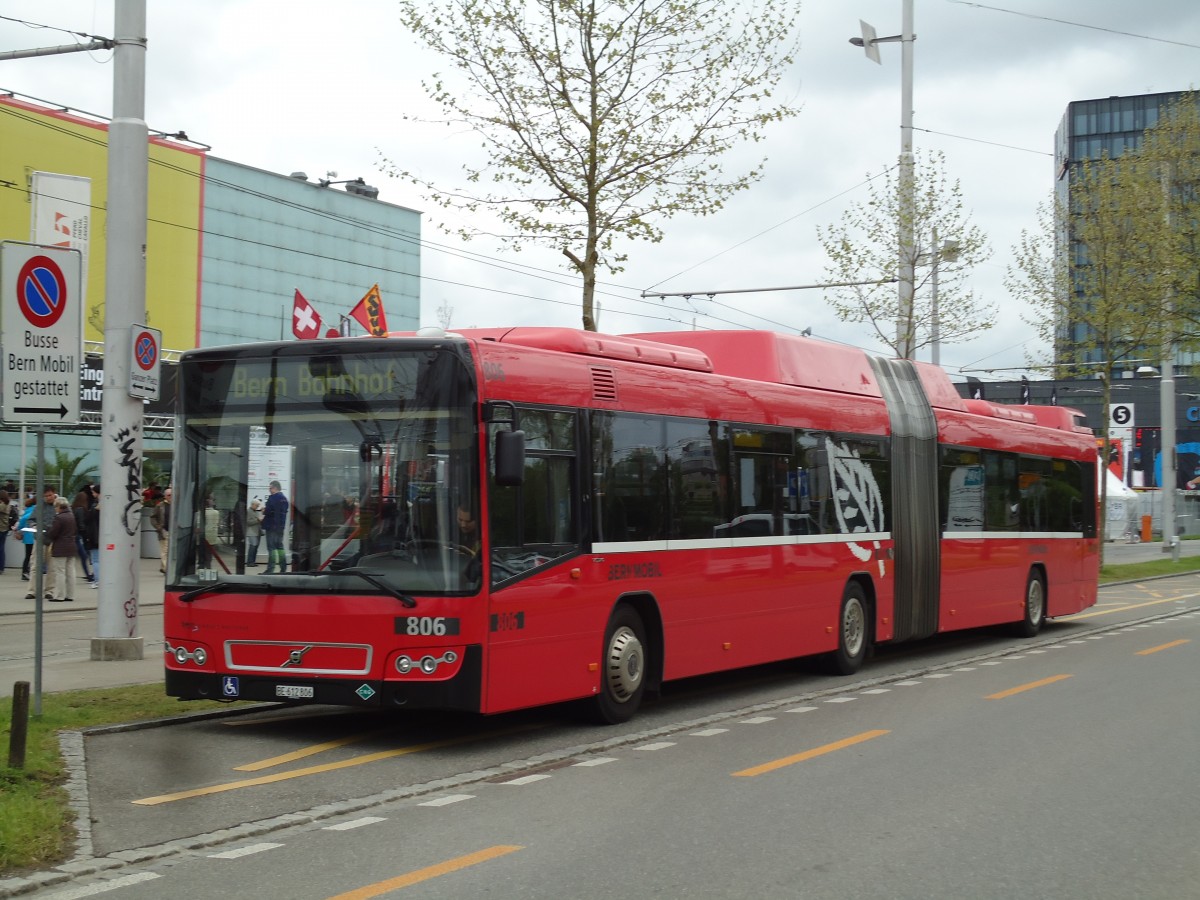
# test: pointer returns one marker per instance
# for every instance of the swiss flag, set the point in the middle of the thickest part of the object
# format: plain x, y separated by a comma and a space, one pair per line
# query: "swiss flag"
306, 324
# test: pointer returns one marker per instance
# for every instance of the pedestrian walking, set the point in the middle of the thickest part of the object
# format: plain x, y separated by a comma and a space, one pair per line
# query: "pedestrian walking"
210, 532
61, 539
79, 507
160, 518
274, 522
91, 533
8, 509
46, 511
27, 529
254, 520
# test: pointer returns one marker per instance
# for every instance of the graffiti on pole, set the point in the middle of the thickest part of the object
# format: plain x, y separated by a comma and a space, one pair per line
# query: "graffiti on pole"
130, 460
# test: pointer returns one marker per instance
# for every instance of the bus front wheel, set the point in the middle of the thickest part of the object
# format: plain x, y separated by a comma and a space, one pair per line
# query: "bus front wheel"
853, 631
623, 675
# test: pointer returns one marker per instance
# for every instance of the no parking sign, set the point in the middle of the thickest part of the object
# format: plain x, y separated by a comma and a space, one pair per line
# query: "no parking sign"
145, 345
41, 320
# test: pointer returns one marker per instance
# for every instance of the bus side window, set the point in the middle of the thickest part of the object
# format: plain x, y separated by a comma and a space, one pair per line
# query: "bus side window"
536, 522
630, 480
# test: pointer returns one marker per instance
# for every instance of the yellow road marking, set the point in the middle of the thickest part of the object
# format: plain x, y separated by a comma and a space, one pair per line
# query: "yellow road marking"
1027, 687
1104, 612
311, 751
810, 754
1163, 647
290, 717
327, 767
445, 868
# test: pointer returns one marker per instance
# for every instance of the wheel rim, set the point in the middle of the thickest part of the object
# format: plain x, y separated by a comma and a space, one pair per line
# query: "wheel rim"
854, 626
1035, 601
624, 664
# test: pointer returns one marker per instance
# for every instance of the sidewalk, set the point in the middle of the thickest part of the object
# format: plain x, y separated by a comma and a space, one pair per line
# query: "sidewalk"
1118, 552
13, 589
73, 669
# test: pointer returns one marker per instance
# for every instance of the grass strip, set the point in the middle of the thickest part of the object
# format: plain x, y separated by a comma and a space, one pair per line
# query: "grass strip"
36, 824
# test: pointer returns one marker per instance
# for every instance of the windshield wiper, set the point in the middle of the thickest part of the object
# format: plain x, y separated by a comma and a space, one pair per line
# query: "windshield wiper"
367, 575
371, 577
215, 587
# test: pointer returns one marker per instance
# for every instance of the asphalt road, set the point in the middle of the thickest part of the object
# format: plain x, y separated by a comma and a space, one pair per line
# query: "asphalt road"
969, 765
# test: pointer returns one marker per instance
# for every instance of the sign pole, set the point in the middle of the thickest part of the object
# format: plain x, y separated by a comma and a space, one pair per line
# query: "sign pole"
39, 557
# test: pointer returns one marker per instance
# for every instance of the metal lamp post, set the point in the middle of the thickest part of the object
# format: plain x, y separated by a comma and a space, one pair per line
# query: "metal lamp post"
906, 199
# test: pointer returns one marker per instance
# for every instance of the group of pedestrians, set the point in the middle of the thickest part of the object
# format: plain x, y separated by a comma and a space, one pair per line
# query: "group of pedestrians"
70, 532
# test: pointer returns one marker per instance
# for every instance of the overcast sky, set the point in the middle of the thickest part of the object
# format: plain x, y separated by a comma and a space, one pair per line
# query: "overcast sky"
298, 85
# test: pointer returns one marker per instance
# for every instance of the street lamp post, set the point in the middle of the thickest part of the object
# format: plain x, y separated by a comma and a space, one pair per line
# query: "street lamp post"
906, 205
1169, 466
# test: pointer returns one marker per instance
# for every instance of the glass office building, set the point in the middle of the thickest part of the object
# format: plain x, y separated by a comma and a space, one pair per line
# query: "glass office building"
1091, 129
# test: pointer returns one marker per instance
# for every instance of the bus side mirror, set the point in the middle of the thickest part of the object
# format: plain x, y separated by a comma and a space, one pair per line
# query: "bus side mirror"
510, 458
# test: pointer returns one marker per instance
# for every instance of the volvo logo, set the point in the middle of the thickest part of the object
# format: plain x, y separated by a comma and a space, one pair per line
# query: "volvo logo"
295, 657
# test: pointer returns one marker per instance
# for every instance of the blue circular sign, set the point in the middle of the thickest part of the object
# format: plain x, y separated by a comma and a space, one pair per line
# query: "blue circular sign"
145, 350
41, 291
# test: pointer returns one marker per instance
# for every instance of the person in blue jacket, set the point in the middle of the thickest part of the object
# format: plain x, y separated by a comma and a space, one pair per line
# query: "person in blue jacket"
275, 515
28, 538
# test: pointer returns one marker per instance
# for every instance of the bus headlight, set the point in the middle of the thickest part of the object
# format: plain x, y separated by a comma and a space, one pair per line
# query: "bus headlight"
428, 664
182, 655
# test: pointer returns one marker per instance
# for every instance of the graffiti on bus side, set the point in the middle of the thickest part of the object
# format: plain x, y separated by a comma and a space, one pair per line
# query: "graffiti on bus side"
857, 500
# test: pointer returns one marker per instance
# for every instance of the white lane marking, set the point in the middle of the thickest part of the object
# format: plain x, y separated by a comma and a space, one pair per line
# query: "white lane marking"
710, 732
354, 823
528, 779
660, 745
802, 709
878, 691
90, 890
244, 851
938, 675
598, 761
907, 683
758, 720
446, 801
841, 699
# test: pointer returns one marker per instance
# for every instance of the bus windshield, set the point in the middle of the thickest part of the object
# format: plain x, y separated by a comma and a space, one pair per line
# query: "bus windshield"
348, 466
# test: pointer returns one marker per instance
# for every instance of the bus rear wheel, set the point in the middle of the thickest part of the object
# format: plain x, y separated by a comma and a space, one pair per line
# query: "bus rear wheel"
1035, 605
854, 631
623, 675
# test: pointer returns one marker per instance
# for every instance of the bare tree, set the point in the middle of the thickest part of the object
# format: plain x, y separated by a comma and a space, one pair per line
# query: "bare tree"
863, 248
603, 118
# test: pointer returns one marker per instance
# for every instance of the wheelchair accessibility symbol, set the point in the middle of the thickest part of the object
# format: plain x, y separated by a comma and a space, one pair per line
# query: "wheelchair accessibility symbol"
229, 685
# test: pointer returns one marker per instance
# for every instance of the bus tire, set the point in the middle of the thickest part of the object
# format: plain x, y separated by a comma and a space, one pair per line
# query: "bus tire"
854, 631
1035, 606
623, 669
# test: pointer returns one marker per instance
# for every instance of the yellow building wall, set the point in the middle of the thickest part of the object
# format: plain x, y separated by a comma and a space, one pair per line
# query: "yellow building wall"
34, 139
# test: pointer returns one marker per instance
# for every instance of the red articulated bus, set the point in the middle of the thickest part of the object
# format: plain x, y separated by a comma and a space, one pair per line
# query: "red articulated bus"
504, 518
